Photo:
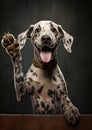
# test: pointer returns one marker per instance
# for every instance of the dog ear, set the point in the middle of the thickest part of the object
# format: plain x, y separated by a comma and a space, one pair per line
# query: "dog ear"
22, 37
66, 38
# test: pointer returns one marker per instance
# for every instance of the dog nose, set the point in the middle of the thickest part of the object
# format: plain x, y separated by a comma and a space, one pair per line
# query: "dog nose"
46, 38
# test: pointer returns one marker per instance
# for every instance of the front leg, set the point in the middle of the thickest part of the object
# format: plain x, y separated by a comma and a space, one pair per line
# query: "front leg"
71, 113
22, 87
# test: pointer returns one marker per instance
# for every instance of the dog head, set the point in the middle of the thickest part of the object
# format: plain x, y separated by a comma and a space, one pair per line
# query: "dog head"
46, 36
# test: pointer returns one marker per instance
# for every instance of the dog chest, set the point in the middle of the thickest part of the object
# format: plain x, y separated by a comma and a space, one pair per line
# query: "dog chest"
45, 77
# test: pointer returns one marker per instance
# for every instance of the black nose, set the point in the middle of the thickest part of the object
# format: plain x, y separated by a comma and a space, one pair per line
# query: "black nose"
46, 39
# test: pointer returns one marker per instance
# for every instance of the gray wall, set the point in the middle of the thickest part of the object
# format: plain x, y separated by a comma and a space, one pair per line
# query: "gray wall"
75, 18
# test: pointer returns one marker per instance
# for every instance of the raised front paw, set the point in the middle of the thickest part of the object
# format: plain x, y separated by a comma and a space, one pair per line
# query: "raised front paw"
11, 45
72, 115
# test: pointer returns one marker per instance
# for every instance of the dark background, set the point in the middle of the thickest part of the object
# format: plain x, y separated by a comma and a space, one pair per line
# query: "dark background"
75, 17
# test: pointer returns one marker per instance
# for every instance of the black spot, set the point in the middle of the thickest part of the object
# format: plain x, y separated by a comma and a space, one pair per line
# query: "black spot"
43, 112
31, 70
53, 29
32, 87
37, 105
58, 98
38, 29
62, 105
38, 97
53, 101
40, 89
59, 76
54, 78
30, 79
58, 86
34, 37
69, 40
28, 83
61, 31
63, 84
29, 31
42, 104
56, 35
22, 90
47, 107
57, 71
62, 92
39, 112
50, 111
20, 79
61, 79
32, 91
68, 102
34, 74
50, 93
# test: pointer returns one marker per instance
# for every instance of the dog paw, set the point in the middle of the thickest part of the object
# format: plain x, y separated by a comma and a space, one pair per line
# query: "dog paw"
7, 39
10, 44
72, 115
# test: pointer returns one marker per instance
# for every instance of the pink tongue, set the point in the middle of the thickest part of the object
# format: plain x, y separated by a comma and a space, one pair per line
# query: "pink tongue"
45, 56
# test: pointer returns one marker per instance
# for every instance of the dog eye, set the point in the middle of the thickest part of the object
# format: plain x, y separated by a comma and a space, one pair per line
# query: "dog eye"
54, 30
37, 30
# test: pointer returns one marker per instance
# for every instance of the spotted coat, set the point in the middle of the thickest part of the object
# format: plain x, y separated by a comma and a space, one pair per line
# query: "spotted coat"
44, 82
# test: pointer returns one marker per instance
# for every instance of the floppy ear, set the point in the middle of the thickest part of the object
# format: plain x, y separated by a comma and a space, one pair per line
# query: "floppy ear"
22, 37
66, 38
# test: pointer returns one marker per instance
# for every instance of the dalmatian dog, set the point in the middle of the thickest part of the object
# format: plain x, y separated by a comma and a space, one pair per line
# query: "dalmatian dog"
44, 81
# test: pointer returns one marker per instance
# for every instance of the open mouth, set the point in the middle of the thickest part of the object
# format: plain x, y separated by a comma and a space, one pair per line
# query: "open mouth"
46, 53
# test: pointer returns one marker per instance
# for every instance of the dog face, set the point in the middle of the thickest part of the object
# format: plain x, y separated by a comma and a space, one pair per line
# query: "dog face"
45, 33
46, 37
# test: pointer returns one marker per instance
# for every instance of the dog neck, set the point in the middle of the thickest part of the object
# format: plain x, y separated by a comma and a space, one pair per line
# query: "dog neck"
45, 66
